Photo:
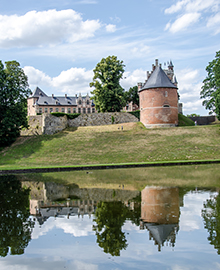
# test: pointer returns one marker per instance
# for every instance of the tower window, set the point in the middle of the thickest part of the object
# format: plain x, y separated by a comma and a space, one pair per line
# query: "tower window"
166, 106
166, 94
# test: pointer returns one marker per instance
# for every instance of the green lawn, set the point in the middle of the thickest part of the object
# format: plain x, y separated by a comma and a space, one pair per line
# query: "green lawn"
110, 144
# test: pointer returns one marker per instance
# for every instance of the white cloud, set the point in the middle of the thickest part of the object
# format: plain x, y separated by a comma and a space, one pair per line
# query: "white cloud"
176, 7
183, 22
131, 79
193, 6
45, 28
110, 28
214, 22
72, 81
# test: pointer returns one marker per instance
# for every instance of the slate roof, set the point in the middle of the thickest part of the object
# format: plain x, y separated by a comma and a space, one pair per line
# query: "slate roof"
59, 101
37, 93
43, 99
158, 79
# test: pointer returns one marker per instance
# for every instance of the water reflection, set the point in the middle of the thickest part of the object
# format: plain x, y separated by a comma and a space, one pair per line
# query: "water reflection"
155, 211
15, 224
160, 214
211, 217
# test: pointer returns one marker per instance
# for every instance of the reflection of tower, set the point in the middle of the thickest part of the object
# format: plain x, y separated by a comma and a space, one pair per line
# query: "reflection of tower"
160, 213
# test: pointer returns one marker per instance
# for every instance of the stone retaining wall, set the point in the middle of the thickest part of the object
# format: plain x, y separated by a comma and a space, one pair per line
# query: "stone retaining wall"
100, 119
50, 124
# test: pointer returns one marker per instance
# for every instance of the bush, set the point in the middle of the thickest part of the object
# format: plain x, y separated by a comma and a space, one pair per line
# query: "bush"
136, 114
69, 115
184, 121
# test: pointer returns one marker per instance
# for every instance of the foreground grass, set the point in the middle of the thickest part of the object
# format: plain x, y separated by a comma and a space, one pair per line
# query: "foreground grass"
110, 144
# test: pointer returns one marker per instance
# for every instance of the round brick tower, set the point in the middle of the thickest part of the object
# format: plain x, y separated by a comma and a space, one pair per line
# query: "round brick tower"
159, 98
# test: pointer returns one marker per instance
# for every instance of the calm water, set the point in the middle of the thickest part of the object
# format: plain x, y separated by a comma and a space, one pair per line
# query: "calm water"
54, 226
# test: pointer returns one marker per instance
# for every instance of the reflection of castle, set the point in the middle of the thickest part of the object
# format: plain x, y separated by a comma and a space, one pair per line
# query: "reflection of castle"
160, 214
43, 210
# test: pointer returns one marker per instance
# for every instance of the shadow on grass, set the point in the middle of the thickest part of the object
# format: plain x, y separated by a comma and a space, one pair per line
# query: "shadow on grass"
25, 146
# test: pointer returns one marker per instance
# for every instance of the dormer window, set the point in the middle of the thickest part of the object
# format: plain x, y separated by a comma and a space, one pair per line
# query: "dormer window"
80, 102
87, 102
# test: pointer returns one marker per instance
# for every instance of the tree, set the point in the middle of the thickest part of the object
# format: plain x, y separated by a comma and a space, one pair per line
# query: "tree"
13, 101
15, 223
211, 87
108, 94
132, 95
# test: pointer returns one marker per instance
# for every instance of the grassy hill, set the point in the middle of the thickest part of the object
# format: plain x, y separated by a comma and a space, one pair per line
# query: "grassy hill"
111, 144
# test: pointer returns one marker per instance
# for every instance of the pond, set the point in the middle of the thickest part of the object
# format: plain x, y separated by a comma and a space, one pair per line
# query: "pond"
75, 221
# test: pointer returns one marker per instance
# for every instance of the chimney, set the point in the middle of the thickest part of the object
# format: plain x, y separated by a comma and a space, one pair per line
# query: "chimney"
65, 95
156, 62
153, 67
148, 75
52, 95
139, 86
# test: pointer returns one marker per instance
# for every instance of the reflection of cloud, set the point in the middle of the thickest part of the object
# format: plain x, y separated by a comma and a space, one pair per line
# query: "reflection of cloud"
45, 263
74, 225
190, 218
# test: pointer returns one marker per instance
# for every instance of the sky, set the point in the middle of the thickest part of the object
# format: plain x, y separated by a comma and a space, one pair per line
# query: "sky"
59, 43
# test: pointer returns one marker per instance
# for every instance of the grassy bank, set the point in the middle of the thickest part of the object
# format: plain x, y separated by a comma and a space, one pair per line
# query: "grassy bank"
205, 176
111, 144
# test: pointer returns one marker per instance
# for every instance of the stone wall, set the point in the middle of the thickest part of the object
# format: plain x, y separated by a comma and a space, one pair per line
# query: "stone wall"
35, 126
50, 124
204, 120
100, 119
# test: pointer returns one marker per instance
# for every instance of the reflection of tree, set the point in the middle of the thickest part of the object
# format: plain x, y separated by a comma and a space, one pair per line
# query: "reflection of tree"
211, 216
110, 217
15, 225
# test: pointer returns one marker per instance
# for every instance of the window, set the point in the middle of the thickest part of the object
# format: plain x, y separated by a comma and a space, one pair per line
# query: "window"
79, 110
84, 110
69, 110
40, 110
51, 109
166, 106
93, 110
45, 110
88, 110
166, 94
87, 102
80, 102
74, 110
63, 110
57, 109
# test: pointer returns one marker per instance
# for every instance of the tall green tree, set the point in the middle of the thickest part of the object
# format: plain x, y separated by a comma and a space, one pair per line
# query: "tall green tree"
13, 101
211, 86
108, 95
132, 95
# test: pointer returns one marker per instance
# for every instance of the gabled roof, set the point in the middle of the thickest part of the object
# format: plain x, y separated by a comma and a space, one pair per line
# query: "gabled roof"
158, 79
38, 93
65, 101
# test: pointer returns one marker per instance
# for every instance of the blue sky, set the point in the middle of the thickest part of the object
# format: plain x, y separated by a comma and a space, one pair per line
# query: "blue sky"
59, 43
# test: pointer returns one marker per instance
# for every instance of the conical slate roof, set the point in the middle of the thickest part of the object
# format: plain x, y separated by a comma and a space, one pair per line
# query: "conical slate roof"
158, 79
38, 92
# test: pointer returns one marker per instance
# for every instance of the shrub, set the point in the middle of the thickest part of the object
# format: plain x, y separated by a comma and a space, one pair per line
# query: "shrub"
136, 114
184, 121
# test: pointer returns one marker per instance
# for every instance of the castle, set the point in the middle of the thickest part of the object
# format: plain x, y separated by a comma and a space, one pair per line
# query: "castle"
39, 103
159, 97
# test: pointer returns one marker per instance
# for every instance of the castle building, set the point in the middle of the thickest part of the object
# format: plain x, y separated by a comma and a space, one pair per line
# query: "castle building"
39, 103
159, 97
